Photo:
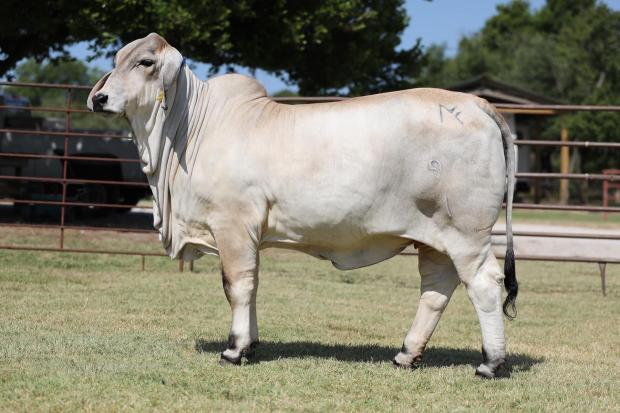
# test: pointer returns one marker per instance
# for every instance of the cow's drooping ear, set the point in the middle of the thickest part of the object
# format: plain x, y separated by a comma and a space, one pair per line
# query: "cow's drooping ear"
172, 62
98, 86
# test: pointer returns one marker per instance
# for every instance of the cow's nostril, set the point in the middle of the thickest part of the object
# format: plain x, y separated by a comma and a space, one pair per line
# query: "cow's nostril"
101, 98
98, 101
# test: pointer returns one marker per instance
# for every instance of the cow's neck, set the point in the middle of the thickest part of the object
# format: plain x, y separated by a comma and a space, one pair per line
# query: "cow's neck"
166, 139
167, 121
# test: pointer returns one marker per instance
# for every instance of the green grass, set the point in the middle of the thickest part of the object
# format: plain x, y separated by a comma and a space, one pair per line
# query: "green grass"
94, 333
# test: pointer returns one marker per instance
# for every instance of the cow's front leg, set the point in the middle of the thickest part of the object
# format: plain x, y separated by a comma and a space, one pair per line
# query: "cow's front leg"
239, 262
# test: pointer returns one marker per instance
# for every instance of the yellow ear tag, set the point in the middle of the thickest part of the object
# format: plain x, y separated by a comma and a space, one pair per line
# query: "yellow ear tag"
160, 96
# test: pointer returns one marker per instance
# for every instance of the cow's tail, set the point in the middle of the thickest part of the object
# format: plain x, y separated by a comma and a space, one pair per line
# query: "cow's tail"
510, 275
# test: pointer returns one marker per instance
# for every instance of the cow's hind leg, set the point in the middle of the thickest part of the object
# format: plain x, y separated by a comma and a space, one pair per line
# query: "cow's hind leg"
239, 261
483, 279
439, 279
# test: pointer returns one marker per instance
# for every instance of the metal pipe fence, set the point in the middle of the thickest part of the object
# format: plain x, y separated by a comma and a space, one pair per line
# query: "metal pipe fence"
65, 181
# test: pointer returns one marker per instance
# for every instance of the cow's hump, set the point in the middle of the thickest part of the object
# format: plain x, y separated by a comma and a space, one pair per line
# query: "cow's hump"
236, 85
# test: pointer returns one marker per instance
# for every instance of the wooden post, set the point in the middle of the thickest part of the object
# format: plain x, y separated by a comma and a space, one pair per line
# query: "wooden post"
605, 196
601, 267
564, 163
537, 167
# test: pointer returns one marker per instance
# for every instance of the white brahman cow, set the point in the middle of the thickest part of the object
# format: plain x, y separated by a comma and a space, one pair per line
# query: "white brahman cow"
353, 182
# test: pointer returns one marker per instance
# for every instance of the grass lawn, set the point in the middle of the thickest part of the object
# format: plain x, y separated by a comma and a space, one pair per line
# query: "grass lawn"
94, 333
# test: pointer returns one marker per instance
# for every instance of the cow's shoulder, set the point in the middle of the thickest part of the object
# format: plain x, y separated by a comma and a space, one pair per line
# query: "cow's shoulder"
234, 85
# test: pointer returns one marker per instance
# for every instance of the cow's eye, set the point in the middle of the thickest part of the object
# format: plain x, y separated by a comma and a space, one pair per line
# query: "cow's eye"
146, 62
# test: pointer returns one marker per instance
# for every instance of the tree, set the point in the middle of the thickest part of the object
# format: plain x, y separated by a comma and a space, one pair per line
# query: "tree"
37, 29
65, 72
568, 50
324, 47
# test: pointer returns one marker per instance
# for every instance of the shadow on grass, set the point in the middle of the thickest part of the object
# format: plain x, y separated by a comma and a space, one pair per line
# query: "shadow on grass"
433, 356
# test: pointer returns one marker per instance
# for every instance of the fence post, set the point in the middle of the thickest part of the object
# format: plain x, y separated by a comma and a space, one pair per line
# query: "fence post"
64, 168
605, 196
564, 165
602, 266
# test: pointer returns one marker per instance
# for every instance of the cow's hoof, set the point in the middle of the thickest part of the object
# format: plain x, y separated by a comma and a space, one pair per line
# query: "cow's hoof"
398, 365
226, 360
485, 372
489, 371
405, 361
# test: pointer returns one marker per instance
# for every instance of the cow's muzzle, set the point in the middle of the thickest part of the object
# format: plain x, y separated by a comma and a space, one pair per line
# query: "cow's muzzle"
99, 100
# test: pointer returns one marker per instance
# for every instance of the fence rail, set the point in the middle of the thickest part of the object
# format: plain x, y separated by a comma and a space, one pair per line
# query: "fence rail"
71, 180
551, 175
68, 133
578, 144
70, 158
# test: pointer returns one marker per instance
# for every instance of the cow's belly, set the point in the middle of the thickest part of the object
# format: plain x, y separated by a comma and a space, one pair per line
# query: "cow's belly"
350, 235
367, 251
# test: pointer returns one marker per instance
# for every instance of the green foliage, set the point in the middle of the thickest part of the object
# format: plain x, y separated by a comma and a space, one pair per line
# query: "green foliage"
324, 47
38, 29
62, 72
285, 93
568, 50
